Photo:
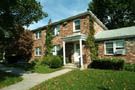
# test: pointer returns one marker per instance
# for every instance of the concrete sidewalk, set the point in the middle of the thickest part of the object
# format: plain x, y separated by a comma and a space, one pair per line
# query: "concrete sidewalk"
30, 80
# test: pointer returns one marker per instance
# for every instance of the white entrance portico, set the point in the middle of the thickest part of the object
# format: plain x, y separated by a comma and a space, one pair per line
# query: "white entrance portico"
77, 40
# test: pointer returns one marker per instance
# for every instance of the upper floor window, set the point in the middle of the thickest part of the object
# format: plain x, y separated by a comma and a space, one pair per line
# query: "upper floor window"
56, 30
76, 25
38, 51
115, 47
38, 35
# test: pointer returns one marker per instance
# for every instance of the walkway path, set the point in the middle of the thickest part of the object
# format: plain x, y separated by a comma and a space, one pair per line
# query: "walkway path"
32, 79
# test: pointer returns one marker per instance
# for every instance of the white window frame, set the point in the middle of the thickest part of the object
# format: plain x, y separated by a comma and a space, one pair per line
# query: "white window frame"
56, 31
74, 29
55, 50
38, 52
37, 35
114, 46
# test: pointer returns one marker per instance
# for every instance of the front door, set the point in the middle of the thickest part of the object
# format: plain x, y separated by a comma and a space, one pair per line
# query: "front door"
76, 52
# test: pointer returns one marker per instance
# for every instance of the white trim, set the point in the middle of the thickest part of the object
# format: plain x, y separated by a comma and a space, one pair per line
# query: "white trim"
56, 32
81, 53
55, 50
114, 46
74, 30
75, 37
64, 53
37, 35
37, 53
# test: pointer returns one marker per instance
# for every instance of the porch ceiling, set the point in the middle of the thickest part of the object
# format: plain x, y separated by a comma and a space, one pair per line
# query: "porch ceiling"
75, 37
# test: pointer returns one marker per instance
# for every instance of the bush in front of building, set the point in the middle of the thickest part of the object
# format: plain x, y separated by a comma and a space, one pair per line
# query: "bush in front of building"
108, 63
52, 61
129, 67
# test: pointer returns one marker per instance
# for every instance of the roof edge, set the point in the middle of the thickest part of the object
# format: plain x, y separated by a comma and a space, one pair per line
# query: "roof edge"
112, 38
73, 17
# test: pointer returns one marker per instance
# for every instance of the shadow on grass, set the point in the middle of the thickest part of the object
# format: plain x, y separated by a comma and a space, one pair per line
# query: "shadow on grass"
8, 79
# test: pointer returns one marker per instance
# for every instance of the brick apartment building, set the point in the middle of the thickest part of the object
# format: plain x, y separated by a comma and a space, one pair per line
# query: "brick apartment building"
70, 35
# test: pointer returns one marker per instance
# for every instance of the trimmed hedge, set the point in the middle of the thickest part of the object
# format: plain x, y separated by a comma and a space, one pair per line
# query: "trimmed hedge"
108, 63
52, 61
129, 67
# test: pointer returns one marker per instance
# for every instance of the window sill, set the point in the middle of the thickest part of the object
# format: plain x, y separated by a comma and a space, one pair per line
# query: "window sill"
37, 39
115, 54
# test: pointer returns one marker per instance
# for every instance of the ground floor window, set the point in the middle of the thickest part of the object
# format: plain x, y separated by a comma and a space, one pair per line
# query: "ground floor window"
115, 47
38, 51
55, 49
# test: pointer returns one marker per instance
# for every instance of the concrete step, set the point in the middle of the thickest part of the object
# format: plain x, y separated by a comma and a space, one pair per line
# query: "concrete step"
70, 65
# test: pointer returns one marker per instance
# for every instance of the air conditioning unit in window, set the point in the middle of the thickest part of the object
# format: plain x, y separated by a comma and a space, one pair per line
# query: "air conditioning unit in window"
120, 52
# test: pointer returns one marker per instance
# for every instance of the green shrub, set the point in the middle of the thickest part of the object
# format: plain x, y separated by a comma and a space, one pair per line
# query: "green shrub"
52, 61
129, 67
108, 63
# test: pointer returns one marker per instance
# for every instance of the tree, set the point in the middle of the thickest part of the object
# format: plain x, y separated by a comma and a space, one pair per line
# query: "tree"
114, 13
19, 12
14, 14
90, 42
49, 37
22, 45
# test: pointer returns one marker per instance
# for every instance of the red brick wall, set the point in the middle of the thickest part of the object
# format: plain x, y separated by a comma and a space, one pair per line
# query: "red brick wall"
39, 43
66, 28
130, 51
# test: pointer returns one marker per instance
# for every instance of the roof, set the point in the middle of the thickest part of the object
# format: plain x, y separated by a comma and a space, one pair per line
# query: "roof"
126, 32
74, 17
75, 37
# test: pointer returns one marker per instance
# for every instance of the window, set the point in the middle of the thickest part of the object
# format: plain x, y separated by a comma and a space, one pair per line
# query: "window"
76, 25
56, 30
38, 51
115, 47
55, 49
38, 35
109, 48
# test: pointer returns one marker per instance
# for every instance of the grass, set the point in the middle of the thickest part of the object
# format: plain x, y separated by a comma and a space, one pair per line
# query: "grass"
38, 68
7, 79
44, 69
92, 79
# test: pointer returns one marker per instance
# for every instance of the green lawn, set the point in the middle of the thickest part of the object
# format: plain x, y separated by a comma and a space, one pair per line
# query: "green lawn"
44, 69
91, 80
7, 79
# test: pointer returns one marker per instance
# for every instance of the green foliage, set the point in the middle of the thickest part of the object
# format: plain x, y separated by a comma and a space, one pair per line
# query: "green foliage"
19, 12
129, 67
121, 12
22, 45
108, 63
91, 41
7, 79
40, 66
53, 61
48, 40
92, 79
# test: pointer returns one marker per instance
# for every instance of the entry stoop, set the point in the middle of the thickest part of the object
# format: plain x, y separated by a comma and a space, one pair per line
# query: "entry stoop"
70, 65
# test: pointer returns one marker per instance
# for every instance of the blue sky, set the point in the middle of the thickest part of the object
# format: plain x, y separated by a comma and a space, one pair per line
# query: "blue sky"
60, 9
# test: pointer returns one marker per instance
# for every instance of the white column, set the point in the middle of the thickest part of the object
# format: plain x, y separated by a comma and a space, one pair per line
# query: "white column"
64, 53
81, 56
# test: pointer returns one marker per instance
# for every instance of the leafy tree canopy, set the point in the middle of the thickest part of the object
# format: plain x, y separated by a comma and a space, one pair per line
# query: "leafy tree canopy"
19, 12
22, 45
114, 13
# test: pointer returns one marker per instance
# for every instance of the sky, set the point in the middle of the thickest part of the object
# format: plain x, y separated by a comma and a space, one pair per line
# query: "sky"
60, 9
